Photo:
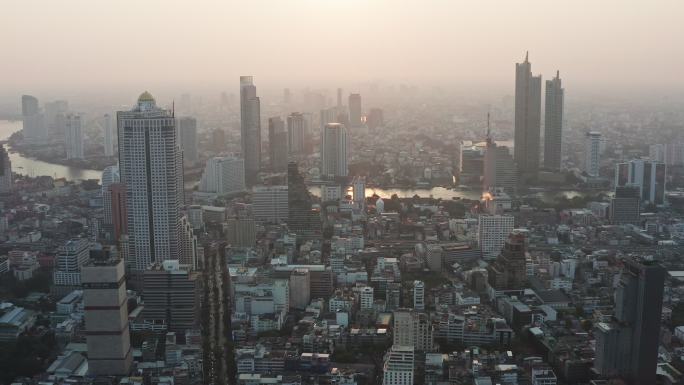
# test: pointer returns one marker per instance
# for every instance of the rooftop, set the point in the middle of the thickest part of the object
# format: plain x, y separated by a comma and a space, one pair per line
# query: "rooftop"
145, 97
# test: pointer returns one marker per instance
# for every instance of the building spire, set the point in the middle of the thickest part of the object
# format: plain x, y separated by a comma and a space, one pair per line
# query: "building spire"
527, 53
557, 74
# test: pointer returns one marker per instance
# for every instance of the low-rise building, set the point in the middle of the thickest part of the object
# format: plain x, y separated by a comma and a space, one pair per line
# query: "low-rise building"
15, 320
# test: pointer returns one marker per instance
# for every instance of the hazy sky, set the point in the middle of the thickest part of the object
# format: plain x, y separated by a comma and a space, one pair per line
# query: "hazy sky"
84, 44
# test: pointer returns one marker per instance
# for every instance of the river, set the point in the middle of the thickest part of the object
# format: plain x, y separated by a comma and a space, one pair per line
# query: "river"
34, 167
434, 192
448, 193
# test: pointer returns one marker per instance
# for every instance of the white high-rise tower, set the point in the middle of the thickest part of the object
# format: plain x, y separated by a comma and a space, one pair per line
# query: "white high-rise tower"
150, 166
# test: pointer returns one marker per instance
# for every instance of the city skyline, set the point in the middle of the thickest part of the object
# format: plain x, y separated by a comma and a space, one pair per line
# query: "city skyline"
356, 192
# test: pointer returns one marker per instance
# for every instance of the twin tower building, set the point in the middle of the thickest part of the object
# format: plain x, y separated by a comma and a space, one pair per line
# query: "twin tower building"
528, 96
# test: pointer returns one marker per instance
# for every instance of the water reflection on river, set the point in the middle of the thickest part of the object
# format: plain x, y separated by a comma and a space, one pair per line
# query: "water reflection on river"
33, 167
447, 193
435, 192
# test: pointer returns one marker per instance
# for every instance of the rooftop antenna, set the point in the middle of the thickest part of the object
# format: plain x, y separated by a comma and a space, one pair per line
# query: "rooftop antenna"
173, 108
489, 133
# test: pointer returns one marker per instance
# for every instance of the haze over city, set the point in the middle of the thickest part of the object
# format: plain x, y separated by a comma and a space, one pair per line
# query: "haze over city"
341, 192
82, 47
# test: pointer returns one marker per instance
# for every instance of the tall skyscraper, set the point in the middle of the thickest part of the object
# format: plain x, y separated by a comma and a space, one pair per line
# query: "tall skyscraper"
592, 153
250, 129
302, 219
657, 152
109, 135
223, 175
6, 181
359, 191
471, 162
106, 318
311, 141
355, 110
296, 132
187, 130
73, 137
499, 168
171, 295
188, 244
29, 105
119, 212
672, 154
150, 166
527, 119
35, 130
553, 123
110, 175
334, 151
328, 115
648, 175
277, 144
398, 366
629, 346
